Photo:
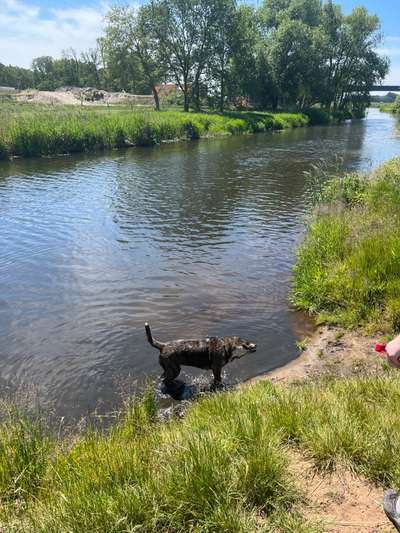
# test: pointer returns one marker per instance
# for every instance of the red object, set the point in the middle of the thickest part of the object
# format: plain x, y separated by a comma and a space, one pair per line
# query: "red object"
380, 348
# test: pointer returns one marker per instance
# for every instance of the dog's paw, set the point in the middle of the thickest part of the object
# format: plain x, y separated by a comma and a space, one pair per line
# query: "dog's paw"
217, 386
178, 390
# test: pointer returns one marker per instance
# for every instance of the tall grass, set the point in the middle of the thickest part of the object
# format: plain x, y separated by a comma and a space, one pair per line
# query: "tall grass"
222, 468
31, 130
348, 269
24, 454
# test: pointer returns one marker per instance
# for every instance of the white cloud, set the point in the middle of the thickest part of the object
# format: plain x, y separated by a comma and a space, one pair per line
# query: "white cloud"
26, 32
391, 52
393, 78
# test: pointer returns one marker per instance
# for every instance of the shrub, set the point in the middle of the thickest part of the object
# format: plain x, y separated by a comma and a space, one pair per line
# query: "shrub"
318, 116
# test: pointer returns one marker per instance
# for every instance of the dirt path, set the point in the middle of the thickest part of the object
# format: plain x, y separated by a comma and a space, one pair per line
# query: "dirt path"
342, 501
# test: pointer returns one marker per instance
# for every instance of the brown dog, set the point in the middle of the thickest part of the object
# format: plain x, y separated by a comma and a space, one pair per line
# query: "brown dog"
209, 354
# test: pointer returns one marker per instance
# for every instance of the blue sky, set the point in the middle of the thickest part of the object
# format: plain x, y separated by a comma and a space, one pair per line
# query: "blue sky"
30, 28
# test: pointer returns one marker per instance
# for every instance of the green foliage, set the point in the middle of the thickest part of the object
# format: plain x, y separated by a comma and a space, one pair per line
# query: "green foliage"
169, 477
348, 421
318, 116
349, 190
391, 108
17, 77
348, 268
30, 130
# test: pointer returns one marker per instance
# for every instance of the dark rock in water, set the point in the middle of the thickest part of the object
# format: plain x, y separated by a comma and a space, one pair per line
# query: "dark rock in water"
178, 390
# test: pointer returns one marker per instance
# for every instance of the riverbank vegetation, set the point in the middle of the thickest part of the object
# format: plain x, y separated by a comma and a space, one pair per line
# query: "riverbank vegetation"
348, 268
291, 54
391, 108
33, 130
225, 466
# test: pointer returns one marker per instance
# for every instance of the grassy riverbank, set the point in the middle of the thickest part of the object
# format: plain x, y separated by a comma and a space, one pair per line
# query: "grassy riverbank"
224, 467
348, 269
391, 108
38, 130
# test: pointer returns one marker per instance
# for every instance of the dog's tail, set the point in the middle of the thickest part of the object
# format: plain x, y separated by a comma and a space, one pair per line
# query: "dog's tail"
152, 341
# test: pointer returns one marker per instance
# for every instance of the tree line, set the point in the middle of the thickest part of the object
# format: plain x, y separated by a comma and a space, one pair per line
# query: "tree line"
284, 54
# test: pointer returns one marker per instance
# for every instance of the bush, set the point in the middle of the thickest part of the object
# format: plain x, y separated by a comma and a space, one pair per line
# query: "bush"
318, 116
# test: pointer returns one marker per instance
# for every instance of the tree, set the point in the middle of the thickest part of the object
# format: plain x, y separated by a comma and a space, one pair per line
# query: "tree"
222, 48
183, 30
44, 73
315, 54
242, 79
296, 62
130, 32
17, 77
353, 63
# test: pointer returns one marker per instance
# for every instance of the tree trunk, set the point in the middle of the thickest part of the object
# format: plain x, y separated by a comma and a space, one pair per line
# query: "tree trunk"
156, 98
196, 92
185, 97
222, 94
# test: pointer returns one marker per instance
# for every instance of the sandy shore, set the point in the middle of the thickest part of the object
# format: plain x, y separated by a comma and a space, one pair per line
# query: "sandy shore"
329, 350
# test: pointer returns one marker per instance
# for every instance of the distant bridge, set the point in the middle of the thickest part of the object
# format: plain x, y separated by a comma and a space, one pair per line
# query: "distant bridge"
386, 88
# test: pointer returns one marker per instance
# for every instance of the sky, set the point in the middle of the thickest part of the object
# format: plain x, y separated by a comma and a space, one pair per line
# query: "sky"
31, 28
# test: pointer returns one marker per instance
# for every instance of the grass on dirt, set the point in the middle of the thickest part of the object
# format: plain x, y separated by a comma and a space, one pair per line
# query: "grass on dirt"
348, 268
28, 130
223, 467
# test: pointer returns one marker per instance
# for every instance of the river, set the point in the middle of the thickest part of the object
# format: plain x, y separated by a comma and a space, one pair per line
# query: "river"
197, 238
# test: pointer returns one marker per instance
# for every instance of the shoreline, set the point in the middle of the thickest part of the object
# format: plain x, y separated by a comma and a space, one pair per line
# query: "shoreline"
329, 349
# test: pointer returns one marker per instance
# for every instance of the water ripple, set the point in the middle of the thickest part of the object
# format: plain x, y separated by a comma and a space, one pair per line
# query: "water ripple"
197, 238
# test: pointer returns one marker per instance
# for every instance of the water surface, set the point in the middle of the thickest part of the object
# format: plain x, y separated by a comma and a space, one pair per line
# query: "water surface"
197, 238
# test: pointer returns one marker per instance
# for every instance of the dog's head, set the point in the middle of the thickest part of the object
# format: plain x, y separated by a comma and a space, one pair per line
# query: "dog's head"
238, 347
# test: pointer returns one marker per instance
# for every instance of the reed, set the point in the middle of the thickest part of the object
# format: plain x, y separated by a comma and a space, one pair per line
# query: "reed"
30, 130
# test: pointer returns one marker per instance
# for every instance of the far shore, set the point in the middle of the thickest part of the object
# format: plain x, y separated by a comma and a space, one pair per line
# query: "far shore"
38, 130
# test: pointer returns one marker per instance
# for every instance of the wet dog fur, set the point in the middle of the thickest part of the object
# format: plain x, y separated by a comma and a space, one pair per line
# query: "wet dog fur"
212, 353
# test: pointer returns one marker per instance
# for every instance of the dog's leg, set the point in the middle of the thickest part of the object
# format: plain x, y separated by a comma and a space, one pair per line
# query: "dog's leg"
217, 376
171, 370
